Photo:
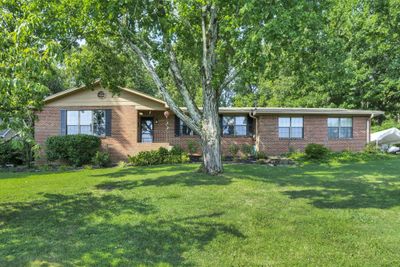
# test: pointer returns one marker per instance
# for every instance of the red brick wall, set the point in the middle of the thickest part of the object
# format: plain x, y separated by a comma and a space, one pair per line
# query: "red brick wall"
315, 131
124, 136
183, 140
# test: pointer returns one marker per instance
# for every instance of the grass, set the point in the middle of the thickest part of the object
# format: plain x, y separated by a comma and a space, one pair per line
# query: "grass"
333, 214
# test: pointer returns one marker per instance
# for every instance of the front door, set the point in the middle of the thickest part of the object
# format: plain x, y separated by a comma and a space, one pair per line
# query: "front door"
146, 130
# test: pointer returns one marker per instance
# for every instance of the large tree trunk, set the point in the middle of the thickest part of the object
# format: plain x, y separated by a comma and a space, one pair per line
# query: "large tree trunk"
211, 145
211, 132
212, 163
207, 123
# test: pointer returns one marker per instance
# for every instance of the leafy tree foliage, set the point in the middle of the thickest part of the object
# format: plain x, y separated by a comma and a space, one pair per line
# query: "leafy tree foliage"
24, 60
334, 54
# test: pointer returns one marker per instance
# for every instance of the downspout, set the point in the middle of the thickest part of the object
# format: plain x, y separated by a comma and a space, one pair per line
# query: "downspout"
369, 132
252, 115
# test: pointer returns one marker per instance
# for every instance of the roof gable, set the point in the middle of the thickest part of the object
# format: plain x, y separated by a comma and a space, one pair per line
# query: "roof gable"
85, 96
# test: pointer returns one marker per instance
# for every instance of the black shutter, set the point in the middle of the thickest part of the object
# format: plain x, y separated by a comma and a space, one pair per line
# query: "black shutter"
63, 122
108, 122
177, 124
250, 126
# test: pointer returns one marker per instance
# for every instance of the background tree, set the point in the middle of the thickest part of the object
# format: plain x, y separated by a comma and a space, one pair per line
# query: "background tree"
334, 54
24, 61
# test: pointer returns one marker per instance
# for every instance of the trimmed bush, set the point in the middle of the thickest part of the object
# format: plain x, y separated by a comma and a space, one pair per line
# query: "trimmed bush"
102, 159
316, 151
74, 150
160, 156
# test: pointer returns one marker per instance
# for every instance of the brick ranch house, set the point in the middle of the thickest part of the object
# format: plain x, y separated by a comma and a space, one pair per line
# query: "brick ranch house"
133, 121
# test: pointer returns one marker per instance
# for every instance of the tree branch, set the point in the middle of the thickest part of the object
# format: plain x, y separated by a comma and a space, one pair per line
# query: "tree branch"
179, 81
230, 76
171, 103
213, 34
209, 36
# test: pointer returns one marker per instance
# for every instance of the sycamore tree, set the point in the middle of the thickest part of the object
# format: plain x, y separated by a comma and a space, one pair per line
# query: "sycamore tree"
217, 38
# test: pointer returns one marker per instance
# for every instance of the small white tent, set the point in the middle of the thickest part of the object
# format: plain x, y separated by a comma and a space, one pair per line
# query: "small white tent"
386, 137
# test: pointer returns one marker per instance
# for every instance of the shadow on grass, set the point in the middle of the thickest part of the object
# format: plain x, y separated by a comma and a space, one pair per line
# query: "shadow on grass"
185, 179
374, 184
146, 170
84, 229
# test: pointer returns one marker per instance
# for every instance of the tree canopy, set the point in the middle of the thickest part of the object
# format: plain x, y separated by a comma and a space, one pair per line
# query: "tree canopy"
343, 54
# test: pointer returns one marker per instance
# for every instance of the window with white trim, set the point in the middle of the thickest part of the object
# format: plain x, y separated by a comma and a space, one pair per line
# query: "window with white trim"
340, 128
290, 127
235, 126
91, 122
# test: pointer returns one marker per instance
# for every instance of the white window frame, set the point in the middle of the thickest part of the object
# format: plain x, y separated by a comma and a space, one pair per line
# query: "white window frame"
236, 125
339, 127
91, 125
290, 127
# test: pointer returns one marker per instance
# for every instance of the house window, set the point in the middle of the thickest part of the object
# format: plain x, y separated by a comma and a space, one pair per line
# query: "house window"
290, 127
340, 128
184, 129
91, 122
235, 126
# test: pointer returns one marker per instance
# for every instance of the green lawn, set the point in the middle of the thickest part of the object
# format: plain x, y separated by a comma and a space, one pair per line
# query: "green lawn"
317, 215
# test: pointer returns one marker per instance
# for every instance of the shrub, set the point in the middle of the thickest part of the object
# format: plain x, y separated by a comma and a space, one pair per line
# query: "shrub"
145, 158
233, 150
9, 154
122, 164
372, 149
261, 155
193, 147
73, 149
316, 151
176, 150
185, 158
163, 153
102, 159
160, 156
247, 149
